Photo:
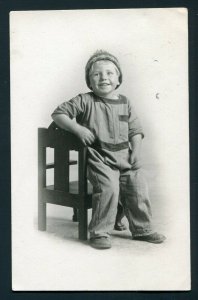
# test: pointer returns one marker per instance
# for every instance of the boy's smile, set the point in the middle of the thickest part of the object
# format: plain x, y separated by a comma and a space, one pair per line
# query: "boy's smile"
104, 78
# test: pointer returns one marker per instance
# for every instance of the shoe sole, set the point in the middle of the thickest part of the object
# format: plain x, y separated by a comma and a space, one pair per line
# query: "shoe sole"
100, 245
149, 241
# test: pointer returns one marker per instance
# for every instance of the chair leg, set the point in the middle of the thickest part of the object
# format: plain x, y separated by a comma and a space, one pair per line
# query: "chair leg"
41, 181
82, 225
75, 215
42, 216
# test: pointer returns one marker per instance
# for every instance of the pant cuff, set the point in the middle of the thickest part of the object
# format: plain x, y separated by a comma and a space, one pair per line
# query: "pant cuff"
143, 232
101, 234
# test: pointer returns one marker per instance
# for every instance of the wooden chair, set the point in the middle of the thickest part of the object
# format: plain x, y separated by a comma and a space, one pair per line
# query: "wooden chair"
76, 194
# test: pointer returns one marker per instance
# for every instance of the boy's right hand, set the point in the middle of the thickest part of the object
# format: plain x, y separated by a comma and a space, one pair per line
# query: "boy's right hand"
85, 135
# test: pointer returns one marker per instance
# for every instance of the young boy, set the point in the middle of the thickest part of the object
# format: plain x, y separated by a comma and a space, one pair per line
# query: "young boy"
108, 125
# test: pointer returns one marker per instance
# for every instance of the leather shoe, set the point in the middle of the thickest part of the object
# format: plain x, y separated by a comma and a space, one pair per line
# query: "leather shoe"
155, 238
101, 242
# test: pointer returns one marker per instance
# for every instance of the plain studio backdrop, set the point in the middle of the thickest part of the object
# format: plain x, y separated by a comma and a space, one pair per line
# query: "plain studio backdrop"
49, 50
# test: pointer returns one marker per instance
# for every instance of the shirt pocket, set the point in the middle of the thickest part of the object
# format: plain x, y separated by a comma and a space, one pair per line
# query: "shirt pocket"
123, 126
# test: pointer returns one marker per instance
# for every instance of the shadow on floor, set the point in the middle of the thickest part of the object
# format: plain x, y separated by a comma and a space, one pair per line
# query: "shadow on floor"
67, 229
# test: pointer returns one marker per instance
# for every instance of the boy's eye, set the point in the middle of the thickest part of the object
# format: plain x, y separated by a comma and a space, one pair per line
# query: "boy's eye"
109, 73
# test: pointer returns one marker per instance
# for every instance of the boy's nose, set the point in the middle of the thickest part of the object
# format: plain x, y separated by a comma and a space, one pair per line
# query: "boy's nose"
103, 76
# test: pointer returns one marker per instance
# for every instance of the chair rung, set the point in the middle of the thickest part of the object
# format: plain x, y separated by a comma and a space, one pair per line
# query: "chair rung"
51, 165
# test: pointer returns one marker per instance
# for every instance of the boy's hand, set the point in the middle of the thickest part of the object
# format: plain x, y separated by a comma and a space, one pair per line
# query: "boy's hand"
135, 161
85, 135
135, 155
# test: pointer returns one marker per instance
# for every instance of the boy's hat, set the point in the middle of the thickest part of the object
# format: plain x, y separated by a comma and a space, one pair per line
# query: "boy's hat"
101, 55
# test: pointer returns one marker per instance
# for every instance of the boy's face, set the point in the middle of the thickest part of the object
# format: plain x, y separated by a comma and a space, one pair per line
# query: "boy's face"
104, 78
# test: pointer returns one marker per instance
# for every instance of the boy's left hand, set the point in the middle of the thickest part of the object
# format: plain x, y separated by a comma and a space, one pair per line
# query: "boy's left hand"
135, 161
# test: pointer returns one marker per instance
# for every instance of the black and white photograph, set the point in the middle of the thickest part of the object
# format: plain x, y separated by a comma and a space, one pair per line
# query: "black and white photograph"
100, 150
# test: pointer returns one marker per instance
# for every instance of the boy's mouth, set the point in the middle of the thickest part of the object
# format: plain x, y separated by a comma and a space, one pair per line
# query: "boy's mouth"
104, 84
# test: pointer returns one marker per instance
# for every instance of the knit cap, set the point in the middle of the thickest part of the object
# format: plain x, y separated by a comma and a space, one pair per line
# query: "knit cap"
101, 55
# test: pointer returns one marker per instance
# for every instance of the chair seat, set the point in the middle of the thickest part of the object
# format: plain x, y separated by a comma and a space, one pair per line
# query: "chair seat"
73, 187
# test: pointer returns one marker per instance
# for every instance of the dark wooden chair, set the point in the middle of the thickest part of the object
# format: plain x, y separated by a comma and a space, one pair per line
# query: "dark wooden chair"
75, 194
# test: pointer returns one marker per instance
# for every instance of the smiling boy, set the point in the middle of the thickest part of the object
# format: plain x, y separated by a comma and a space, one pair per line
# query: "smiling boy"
108, 125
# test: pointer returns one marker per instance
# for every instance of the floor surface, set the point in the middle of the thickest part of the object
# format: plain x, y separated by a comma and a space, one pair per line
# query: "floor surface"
56, 260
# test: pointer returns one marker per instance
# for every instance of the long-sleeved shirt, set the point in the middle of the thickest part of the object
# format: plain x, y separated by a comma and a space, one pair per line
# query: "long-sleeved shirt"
113, 121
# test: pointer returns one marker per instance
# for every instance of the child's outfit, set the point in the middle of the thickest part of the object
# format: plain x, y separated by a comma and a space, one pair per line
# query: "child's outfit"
114, 123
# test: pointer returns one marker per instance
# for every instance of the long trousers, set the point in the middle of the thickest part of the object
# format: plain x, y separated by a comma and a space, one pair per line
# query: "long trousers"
112, 177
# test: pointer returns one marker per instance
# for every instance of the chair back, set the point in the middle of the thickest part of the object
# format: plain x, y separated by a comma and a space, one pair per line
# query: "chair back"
62, 142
